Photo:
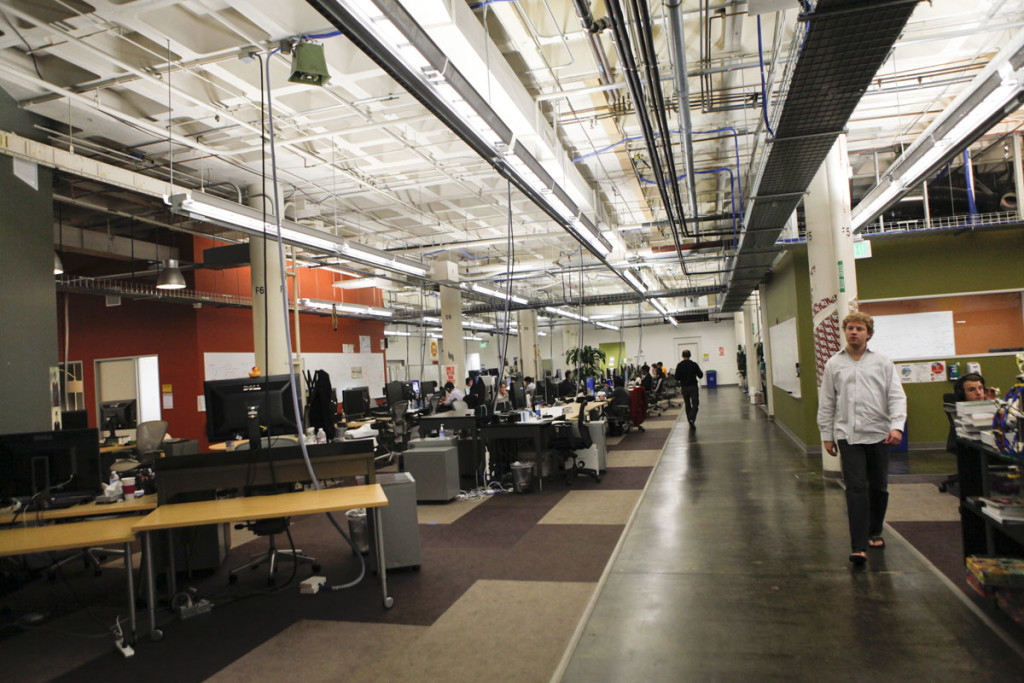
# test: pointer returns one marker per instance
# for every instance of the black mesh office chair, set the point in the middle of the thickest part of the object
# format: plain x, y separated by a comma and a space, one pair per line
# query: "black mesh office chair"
569, 438
653, 409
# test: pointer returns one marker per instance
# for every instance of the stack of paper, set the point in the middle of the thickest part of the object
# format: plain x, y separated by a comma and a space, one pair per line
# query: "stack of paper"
973, 417
1006, 572
1004, 509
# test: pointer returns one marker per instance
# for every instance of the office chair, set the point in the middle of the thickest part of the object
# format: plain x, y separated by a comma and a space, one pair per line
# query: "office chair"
148, 437
569, 438
670, 390
460, 407
395, 439
270, 528
653, 410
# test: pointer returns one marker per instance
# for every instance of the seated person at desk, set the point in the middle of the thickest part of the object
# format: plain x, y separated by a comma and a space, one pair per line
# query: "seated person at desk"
646, 381
567, 387
451, 395
620, 396
503, 402
970, 387
531, 386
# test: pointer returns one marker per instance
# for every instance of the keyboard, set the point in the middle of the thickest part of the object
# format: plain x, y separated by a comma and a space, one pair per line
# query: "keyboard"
61, 501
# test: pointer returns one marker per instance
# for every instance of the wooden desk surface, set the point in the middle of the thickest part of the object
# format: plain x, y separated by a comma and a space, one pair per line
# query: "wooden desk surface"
125, 507
261, 507
37, 539
117, 449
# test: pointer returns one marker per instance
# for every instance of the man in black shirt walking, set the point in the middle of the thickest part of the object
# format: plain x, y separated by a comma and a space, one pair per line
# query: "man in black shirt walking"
687, 374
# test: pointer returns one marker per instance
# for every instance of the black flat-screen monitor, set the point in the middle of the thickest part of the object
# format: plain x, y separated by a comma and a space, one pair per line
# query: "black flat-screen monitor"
119, 414
517, 394
428, 387
47, 462
229, 403
356, 401
74, 419
416, 387
408, 391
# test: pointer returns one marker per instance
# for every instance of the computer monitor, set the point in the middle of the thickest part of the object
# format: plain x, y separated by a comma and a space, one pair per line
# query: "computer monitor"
393, 392
428, 387
416, 387
356, 401
46, 462
74, 419
590, 386
230, 403
550, 390
517, 394
408, 392
120, 414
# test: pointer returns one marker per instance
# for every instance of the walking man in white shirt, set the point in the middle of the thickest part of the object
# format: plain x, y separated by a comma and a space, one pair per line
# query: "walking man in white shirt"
861, 411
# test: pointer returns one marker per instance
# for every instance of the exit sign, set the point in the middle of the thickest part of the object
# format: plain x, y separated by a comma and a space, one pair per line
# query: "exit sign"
862, 249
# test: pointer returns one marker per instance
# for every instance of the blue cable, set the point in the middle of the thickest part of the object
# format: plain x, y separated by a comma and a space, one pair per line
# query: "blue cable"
764, 96
488, 2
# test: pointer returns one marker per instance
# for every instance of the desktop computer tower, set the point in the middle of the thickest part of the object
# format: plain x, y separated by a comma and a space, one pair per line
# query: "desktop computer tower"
401, 525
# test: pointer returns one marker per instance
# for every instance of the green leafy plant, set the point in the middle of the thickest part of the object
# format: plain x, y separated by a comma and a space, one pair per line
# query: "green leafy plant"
588, 359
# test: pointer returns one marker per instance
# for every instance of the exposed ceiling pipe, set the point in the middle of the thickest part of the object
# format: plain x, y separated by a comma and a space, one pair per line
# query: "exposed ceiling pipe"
678, 41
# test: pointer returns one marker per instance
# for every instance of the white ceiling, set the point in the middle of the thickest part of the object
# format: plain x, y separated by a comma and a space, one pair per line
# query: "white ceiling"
364, 160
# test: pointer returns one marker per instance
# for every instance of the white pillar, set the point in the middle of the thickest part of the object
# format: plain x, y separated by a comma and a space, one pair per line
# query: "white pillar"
453, 347
830, 257
738, 327
766, 347
268, 295
1018, 174
750, 341
529, 350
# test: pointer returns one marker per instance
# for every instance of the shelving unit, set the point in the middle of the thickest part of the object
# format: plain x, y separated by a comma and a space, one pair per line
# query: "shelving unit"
983, 535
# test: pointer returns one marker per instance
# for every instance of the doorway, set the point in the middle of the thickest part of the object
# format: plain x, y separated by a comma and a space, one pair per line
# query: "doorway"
693, 344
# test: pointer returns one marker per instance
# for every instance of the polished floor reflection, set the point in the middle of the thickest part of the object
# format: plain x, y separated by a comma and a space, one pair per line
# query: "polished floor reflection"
735, 568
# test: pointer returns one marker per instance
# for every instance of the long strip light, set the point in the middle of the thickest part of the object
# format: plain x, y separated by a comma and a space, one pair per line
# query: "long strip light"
632, 278
660, 307
391, 37
671, 319
943, 139
566, 313
498, 294
604, 325
221, 212
354, 309
396, 333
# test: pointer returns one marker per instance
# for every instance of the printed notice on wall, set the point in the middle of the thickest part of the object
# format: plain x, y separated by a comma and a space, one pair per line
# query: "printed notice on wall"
912, 373
364, 344
348, 348
357, 372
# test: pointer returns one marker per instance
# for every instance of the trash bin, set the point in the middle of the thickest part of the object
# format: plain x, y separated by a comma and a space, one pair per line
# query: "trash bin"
522, 476
712, 377
357, 529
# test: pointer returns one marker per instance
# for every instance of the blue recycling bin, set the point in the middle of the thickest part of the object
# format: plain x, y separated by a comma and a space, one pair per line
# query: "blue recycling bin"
712, 377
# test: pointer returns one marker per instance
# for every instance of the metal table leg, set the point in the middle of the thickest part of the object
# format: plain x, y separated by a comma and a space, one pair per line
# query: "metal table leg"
155, 634
131, 591
381, 563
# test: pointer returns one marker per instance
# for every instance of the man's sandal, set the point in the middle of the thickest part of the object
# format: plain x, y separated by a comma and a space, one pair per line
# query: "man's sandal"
859, 557
876, 542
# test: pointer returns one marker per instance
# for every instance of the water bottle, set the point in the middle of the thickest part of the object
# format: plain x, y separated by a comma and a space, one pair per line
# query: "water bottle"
321, 436
440, 432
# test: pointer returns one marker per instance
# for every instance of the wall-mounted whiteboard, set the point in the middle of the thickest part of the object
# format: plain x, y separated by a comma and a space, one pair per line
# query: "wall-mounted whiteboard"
347, 370
912, 336
785, 357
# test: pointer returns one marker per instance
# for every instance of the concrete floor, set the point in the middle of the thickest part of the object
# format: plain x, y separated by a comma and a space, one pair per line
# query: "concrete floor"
735, 569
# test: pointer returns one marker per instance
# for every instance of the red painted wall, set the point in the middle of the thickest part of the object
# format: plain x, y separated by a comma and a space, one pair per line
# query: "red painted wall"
180, 334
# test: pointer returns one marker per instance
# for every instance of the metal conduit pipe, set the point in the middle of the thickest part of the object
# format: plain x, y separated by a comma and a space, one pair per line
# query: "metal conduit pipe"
683, 93
620, 38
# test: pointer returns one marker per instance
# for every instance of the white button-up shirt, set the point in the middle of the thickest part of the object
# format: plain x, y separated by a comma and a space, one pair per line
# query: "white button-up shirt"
860, 401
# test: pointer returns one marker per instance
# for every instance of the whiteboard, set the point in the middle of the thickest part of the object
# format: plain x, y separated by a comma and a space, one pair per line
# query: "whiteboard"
785, 357
911, 336
347, 370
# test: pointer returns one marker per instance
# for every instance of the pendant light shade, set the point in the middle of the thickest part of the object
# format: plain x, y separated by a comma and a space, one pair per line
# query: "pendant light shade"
58, 266
171, 277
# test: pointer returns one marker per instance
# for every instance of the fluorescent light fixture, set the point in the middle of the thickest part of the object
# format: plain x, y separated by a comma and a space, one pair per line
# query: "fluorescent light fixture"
541, 333
396, 333
660, 307
430, 319
498, 294
566, 313
605, 325
578, 228
672, 320
354, 309
474, 325
634, 280
472, 338
218, 211
359, 252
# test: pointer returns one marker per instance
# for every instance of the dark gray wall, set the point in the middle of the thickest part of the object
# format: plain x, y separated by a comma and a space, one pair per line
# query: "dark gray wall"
28, 301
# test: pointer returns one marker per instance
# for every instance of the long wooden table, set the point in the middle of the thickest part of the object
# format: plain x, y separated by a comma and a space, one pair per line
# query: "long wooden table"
173, 516
93, 509
54, 537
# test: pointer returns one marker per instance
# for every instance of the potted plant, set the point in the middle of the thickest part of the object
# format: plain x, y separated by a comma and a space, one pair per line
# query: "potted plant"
587, 360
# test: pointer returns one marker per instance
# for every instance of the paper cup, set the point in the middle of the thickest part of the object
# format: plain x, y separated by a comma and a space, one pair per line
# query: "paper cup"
129, 486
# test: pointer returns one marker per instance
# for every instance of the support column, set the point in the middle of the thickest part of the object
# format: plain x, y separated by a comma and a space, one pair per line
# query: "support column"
750, 322
766, 348
1018, 173
268, 295
453, 347
738, 327
529, 350
830, 258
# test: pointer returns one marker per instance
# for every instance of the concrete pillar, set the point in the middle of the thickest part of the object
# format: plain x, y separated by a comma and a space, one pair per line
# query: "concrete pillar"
529, 349
750, 334
28, 299
1018, 174
833, 274
769, 397
737, 328
268, 293
453, 347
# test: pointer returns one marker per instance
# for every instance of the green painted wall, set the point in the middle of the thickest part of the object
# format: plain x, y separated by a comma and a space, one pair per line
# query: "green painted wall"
943, 263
